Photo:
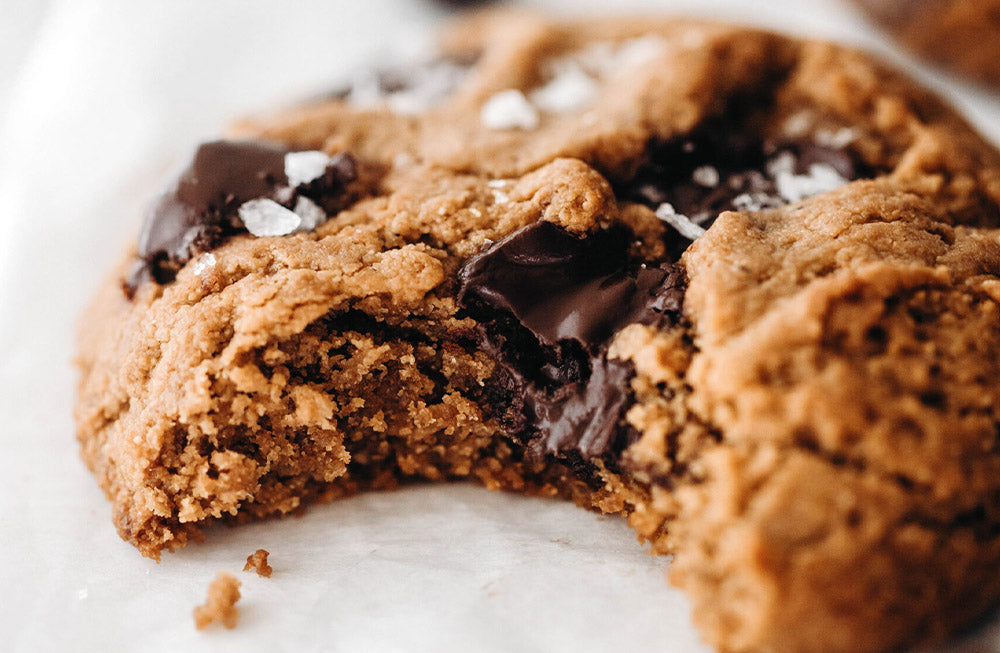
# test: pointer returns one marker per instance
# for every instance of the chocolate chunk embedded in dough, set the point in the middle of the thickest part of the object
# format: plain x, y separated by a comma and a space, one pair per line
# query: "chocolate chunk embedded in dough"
550, 302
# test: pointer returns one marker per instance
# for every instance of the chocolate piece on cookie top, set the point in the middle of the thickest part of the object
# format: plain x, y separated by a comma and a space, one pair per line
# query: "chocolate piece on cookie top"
233, 187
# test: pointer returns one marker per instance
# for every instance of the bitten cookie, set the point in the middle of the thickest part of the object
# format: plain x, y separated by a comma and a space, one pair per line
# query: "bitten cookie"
961, 34
740, 289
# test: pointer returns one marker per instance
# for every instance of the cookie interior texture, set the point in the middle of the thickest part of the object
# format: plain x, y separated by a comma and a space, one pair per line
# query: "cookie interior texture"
801, 406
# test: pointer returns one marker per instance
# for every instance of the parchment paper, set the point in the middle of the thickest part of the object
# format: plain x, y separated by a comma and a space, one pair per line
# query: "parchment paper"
111, 94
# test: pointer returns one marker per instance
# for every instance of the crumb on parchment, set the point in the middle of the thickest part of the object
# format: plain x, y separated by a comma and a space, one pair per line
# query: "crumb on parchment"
220, 602
257, 561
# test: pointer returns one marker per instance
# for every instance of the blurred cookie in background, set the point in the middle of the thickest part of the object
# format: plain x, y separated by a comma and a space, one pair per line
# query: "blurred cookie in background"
463, 4
963, 35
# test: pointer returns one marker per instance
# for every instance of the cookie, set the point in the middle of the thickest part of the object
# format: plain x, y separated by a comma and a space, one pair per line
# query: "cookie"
963, 35
739, 289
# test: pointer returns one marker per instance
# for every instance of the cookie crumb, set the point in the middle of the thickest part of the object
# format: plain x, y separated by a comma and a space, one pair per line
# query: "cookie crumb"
257, 561
220, 602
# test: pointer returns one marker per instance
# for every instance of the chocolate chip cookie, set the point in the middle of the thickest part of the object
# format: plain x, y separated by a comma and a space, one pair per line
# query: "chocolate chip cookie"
740, 289
961, 34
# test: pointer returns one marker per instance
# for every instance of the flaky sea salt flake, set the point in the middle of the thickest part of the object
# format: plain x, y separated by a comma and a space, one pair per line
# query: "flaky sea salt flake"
500, 197
303, 167
678, 221
747, 202
569, 90
430, 84
820, 179
310, 213
509, 109
707, 176
837, 139
798, 124
264, 217
641, 50
204, 262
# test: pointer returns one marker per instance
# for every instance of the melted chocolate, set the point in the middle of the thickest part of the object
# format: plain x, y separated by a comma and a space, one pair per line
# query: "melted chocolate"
549, 304
200, 208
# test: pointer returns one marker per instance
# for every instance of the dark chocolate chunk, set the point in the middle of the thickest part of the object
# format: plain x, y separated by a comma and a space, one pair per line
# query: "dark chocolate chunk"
222, 175
549, 304
200, 208
561, 286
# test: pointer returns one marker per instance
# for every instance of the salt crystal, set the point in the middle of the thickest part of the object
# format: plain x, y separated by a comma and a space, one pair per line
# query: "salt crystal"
607, 58
747, 202
797, 124
508, 110
204, 262
500, 197
476, 212
638, 51
782, 164
680, 222
821, 179
310, 213
430, 84
264, 217
303, 167
838, 139
596, 59
497, 183
793, 187
707, 176
570, 89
